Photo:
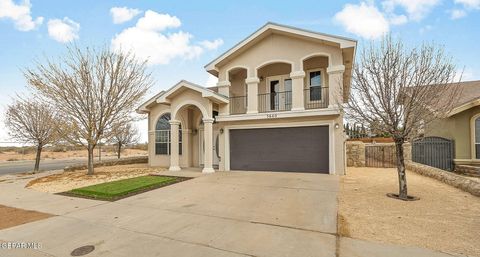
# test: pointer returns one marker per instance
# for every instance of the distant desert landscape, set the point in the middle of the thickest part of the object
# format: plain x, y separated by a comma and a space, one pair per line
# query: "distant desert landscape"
50, 154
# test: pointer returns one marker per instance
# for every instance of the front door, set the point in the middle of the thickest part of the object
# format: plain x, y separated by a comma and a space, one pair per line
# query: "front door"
216, 150
280, 93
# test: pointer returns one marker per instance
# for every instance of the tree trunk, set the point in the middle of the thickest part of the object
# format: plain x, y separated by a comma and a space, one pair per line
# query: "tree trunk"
119, 149
402, 177
90, 159
37, 158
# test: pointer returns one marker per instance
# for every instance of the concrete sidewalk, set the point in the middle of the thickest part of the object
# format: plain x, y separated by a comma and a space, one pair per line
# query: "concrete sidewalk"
222, 214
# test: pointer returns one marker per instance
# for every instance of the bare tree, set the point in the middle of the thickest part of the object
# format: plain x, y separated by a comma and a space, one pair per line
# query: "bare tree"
400, 90
33, 122
93, 89
124, 134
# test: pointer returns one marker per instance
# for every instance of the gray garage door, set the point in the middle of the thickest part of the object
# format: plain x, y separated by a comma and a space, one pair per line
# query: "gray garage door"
299, 149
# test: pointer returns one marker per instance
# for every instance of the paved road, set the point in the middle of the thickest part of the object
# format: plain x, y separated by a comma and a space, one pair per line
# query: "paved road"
26, 166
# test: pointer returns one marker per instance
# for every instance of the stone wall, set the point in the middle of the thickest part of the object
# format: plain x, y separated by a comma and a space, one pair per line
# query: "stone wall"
355, 153
460, 182
111, 162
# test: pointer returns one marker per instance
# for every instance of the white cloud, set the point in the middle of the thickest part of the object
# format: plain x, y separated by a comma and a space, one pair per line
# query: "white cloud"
465, 7
211, 81
416, 9
473, 4
364, 20
457, 14
64, 30
19, 14
123, 14
148, 40
212, 45
157, 22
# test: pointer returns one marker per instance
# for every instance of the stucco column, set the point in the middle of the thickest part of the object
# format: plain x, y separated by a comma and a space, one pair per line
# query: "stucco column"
174, 153
252, 97
335, 85
298, 95
208, 137
224, 89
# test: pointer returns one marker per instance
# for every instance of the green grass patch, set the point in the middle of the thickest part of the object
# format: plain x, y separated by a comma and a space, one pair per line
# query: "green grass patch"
114, 190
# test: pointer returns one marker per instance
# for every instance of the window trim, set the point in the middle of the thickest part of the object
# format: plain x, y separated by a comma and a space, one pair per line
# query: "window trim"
168, 141
323, 73
472, 136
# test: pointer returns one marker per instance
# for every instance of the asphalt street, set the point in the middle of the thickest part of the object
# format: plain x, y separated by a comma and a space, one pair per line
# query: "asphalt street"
27, 166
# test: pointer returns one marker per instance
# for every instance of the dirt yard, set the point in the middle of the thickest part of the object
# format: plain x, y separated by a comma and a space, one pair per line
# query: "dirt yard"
10, 217
66, 181
46, 155
444, 219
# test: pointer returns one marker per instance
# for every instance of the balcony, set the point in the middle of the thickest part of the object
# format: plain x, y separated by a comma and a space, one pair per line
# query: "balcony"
273, 102
316, 97
313, 98
238, 104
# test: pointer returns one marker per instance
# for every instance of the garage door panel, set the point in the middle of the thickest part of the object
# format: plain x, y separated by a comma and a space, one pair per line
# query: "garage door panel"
299, 149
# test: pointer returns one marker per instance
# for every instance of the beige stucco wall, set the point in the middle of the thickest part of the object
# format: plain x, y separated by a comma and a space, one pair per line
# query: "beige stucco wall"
457, 128
276, 48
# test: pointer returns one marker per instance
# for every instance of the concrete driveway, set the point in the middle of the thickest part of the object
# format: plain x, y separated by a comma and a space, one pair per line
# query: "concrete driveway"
223, 214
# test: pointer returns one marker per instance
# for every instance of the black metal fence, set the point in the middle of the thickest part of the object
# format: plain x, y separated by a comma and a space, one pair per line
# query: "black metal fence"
238, 104
316, 97
382, 156
278, 101
434, 151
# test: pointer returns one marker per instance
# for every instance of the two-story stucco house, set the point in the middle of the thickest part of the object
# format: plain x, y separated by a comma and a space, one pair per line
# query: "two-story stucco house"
275, 107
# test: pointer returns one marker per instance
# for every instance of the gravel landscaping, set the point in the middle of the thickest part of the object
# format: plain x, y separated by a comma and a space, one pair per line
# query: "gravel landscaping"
67, 181
444, 219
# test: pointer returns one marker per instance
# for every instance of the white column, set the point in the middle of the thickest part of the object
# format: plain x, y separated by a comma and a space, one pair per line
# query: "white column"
252, 97
224, 89
335, 85
208, 137
174, 153
298, 95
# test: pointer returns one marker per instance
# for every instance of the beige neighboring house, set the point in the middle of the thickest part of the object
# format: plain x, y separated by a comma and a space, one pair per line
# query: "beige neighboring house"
275, 107
462, 125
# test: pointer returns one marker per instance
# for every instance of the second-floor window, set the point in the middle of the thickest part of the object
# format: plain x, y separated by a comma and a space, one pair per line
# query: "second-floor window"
315, 85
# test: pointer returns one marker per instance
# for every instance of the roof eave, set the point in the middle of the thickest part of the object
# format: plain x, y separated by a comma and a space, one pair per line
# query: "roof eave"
344, 42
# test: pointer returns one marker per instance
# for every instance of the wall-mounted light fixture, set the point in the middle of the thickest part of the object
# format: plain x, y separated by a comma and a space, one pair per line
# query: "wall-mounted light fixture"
195, 131
337, 126
261, 78
221, 131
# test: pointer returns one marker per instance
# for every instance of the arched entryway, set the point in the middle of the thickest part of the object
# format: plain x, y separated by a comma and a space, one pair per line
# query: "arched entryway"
197, 141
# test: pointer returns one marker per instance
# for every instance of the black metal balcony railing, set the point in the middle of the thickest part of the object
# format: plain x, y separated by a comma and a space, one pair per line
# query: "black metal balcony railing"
238, 104
272, 102
316, 97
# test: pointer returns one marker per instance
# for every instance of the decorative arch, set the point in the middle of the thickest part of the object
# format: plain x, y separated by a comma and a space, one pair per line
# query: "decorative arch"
202, 108
329, 56
292, 64
227, 72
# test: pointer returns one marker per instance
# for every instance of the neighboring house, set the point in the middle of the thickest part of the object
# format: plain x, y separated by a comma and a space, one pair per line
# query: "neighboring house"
462, 124
275, 107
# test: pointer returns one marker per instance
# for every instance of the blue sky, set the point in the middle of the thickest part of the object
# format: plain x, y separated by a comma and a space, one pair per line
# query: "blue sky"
180, 37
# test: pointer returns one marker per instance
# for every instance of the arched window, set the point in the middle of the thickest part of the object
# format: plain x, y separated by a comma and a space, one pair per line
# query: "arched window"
477, 137
162, 135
